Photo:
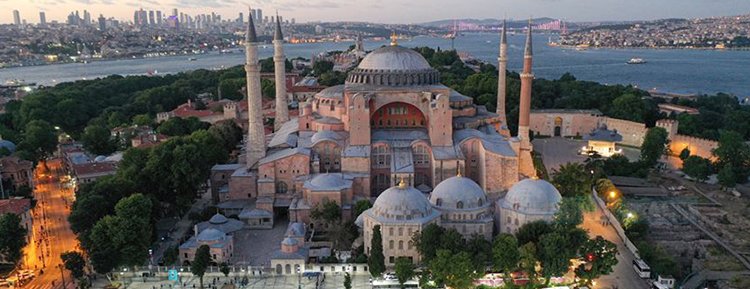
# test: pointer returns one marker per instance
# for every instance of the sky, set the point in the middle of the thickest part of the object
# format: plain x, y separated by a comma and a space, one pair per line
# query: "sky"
388, 11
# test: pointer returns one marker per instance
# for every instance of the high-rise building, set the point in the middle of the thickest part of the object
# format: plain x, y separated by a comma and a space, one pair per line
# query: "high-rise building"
158, 17
16, 18
86, 18
42, 18
174, 12
102, 23
151, 19
241, 18
258, 15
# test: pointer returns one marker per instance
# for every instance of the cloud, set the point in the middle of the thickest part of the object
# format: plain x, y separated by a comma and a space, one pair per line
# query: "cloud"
203, 3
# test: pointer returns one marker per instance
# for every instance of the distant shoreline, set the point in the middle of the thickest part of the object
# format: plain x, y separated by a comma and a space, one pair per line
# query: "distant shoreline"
654, 48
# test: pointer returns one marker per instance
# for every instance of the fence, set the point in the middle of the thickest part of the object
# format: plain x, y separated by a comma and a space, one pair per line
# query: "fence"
616, 224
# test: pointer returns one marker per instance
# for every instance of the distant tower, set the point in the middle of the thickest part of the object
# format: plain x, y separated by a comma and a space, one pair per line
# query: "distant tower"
256, 143
16, 18
526, 165
279, 65
502, 61
42, 18
102, 23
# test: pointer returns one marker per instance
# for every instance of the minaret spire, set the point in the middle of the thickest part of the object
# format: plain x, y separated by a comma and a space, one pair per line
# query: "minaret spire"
502, 66
526, 165
279, 64
256, 143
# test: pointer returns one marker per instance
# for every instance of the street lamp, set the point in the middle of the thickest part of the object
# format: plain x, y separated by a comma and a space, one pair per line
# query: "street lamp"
62, 274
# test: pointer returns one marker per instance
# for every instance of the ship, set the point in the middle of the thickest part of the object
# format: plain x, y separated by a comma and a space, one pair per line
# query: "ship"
636, 61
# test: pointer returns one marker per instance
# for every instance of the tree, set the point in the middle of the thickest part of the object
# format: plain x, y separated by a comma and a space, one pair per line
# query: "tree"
531, 232
600, 257
142, 120
328, 212
697, 167
571, 179
480, 250
361, 206
654, 145
321, 66
527, 260
554, 255
200, 262
134, 229
726, 176
452, 240
12, 237
569, 215
404, 270
39, 138
505, 253
685, 153
453, 270
428, 242
376, 261
629, 107
224, 268
734, 153
98, 140
347, 281
104, 247
74, 262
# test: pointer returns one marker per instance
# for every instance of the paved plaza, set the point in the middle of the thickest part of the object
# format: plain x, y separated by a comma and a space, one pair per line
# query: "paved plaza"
331, 280
256, 247
558, 151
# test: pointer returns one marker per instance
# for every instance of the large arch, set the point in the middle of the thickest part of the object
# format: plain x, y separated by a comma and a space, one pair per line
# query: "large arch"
398, 115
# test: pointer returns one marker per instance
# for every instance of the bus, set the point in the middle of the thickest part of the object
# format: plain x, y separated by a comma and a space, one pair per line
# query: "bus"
393, 283
641, 268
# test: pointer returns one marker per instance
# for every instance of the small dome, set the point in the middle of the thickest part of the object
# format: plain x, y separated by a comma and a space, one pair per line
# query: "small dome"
394, 58
327, 182
402, 203
289, 242
218, 219
210, 235
10, 146
458, 193
532, 196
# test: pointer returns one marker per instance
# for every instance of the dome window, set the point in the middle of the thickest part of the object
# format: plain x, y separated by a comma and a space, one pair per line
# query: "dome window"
459, 205
439, 202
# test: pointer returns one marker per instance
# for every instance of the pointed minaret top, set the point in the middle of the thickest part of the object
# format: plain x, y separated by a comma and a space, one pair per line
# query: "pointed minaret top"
278, 35
529, 50
503, 37
250, 36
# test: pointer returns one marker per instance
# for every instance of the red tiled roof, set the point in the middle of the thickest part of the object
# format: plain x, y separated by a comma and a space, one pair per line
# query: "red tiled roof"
94, 168
15, 206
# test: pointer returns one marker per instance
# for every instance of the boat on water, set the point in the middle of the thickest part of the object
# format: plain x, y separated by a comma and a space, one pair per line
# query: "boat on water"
636, 61
192, 59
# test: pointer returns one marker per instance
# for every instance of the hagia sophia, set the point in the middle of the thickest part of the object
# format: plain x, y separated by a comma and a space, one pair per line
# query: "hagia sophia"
392, 134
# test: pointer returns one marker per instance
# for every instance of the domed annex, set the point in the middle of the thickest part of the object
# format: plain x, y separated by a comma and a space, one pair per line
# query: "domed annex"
463, 206
220, 246
527, 201
399, 211
221, 223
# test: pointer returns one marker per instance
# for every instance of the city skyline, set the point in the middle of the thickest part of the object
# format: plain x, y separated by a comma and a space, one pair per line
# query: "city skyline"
393, 11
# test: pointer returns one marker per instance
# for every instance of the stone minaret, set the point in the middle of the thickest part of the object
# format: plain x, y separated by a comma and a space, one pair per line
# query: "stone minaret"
526, 165
256, 143
279, 65
502, 61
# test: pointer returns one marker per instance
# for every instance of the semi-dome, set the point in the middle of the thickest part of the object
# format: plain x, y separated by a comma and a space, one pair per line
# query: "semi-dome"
458, 193
394, 66
402, 203
394, 58
210, 235
327, 182
532, 196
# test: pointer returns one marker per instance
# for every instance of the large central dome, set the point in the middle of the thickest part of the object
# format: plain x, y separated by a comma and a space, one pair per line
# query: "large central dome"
394, 66
394, 58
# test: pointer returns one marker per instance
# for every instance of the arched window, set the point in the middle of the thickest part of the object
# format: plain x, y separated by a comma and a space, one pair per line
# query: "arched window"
460, 205
281, 188
439, 202
400, 245
421, 155
480, 202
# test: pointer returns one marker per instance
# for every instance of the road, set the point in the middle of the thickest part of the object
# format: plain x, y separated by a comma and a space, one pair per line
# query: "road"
623, 275
52, 233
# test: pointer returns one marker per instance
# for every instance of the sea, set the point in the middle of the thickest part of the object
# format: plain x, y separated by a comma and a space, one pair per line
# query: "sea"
680, 71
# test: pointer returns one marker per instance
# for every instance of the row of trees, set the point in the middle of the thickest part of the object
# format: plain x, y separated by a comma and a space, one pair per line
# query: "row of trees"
732, 161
